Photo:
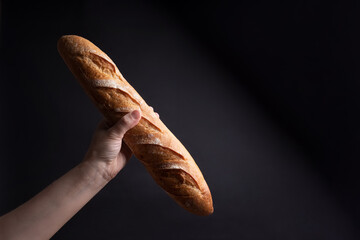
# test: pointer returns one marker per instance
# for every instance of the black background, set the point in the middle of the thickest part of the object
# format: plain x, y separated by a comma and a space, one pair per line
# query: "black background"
264, 95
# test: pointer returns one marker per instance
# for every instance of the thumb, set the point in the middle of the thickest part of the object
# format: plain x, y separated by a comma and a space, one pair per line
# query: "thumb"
127, 122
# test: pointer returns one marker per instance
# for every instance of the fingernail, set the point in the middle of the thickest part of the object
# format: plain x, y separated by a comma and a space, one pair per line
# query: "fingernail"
135, 114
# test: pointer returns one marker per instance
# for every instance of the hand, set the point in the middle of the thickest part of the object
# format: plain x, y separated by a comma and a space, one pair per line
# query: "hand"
44, 214
107, 152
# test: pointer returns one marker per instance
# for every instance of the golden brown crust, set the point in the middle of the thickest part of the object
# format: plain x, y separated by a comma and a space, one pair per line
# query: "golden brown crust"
163, 155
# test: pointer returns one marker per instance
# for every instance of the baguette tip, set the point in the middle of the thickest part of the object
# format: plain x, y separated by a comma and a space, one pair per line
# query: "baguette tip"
201, 206
68, 44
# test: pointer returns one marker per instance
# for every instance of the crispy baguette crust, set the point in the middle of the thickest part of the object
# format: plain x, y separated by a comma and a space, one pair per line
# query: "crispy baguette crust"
163, 155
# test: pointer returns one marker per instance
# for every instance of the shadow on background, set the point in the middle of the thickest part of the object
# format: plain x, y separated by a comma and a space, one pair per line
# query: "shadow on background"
299, 60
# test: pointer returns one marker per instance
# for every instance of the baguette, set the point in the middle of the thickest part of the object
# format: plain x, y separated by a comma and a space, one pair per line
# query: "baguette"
162, 154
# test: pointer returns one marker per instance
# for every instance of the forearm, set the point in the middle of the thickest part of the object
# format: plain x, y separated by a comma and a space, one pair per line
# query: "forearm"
43, 215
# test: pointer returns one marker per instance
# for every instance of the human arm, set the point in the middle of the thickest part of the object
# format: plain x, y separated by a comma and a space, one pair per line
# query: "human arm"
44, 214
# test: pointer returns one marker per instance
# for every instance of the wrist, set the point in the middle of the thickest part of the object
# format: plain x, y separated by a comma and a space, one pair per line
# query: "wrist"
95, 172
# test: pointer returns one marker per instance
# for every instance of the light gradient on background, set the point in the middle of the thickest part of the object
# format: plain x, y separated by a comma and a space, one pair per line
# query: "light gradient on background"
264, 182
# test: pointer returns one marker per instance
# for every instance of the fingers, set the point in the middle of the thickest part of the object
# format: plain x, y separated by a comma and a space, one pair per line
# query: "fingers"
152, 109
125, 124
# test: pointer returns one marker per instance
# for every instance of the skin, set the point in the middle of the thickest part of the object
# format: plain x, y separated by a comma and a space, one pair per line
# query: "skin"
44, 214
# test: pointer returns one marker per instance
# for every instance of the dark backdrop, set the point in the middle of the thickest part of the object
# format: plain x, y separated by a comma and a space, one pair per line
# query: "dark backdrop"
264, 94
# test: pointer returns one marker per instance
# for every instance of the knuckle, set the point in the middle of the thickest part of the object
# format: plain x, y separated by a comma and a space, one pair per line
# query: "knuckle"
115, 133
120, 128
